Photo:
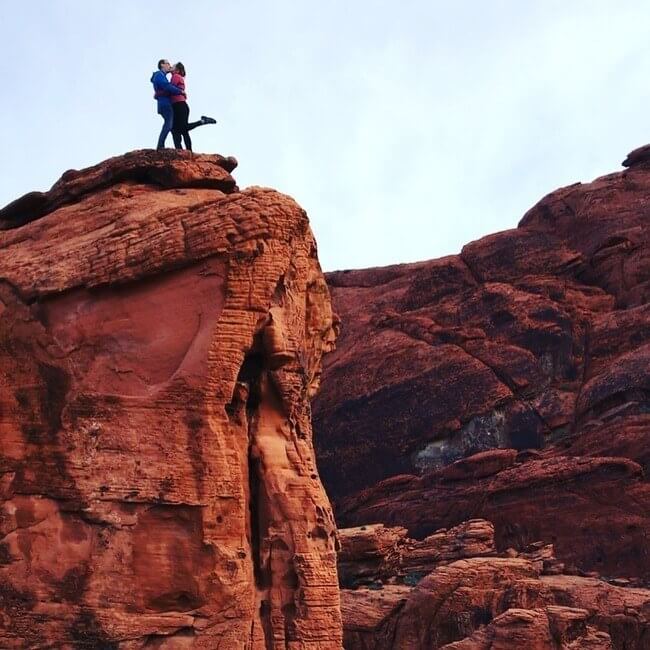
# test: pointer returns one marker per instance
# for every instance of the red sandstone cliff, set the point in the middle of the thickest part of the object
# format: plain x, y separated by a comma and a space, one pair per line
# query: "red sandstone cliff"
509, 382
161, 335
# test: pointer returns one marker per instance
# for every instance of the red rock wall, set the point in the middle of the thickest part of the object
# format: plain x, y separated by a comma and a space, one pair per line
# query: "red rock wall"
536, 337
161, 334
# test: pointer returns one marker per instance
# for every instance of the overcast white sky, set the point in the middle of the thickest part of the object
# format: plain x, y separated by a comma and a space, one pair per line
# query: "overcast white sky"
405, 129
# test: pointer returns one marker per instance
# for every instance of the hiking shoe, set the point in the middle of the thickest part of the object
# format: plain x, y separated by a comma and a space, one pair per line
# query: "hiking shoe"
208, 120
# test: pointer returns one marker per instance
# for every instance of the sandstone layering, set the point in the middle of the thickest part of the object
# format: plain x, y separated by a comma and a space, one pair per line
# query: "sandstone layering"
510, 382
161, 335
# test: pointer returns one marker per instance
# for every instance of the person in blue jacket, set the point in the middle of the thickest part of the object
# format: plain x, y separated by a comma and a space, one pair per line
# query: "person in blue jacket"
163, 90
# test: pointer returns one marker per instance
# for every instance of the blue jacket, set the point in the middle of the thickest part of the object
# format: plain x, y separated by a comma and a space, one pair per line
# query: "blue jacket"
163, 90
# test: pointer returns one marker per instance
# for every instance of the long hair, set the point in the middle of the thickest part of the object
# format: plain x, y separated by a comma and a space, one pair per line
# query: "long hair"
180, 68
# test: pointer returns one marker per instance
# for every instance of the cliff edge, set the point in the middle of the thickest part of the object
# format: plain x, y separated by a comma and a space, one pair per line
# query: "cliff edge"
161, 335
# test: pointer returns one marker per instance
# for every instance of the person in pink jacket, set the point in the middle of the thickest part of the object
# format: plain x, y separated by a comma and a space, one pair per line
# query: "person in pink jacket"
182, 126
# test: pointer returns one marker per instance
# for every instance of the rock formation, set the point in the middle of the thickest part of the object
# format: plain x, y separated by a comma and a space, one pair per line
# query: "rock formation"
510, 382
558, 627
472, 599
375, 553
161, 334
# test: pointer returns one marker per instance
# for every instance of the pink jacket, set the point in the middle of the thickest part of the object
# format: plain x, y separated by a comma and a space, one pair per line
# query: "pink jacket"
179, 82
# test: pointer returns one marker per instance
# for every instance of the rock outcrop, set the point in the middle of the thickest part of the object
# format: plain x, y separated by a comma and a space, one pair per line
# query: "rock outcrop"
558, 627
510, 382
375, 553
474, 600
161, 334
466, 600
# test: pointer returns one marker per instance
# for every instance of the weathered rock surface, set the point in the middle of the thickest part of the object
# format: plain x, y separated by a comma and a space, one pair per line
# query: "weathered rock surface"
378, 553
596, 511
467, 597
510, 382
369, 553
561, 628
146, 167
161, 334
495, 602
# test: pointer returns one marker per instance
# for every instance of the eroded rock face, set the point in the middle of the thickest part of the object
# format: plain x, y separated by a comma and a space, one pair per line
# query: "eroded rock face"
563, 628
509, 382
463, 594
595, 510
455, 599
161, 334
496, 602
369, 554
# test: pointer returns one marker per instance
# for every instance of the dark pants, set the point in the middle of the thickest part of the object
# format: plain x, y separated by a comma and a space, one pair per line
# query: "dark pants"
181, 126
167, 113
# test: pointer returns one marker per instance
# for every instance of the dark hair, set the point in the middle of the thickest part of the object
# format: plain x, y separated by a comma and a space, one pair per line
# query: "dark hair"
160, 63
181, 69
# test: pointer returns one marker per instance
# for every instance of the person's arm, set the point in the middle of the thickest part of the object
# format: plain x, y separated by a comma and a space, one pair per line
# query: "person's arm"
173, 90
162, 85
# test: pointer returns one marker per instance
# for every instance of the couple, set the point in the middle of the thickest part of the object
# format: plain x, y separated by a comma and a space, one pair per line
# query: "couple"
172, 106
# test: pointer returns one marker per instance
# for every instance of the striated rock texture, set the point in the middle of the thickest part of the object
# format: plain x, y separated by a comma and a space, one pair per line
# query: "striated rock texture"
519, 600
161, 335
509, 382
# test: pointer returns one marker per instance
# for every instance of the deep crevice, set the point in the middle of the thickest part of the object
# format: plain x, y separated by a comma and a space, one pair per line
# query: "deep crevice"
250, 374
475, 275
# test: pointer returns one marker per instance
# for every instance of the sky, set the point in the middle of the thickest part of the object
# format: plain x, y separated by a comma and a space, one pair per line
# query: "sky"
404, 129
